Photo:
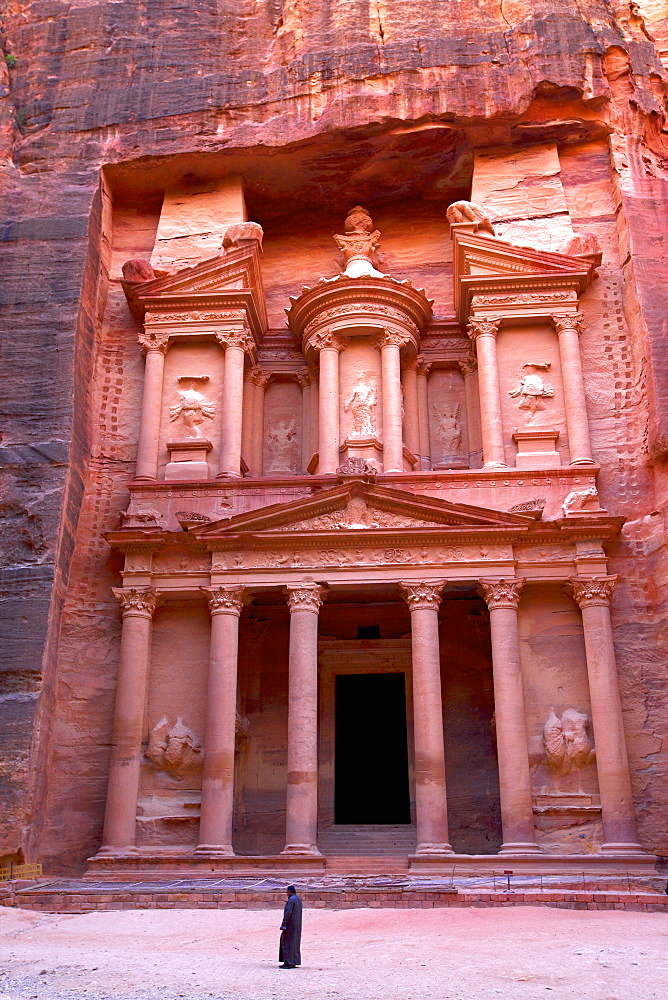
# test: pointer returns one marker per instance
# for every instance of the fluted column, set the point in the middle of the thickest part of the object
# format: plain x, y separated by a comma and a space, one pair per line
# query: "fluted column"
619, 821
575, 405
328, 421
431, 809
304, 379
155, 348
215, 828
393, 439
411, 416
137, 607
483, 332
469, 369
236, 344
519, 837
301, 823
423, 370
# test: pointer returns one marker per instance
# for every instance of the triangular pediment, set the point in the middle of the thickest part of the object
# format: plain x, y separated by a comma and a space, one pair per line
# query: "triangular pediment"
361, 506
231, 279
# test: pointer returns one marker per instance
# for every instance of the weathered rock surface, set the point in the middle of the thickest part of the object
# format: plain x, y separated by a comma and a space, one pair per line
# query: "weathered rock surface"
289, 93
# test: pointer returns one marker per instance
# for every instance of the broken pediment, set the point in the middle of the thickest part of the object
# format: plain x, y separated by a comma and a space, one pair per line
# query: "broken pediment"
230, 281
359, 506
484, 266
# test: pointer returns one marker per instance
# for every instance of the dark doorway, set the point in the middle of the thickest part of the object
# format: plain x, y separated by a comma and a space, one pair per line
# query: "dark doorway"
371, 755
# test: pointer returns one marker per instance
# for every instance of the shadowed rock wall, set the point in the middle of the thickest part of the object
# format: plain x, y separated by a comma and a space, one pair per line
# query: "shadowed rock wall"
147, 88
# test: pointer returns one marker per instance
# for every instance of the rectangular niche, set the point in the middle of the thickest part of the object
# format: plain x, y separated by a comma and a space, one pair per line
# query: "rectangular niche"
448, 434
282, 449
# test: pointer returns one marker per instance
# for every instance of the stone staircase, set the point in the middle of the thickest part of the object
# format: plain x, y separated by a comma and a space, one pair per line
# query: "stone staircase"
372, 850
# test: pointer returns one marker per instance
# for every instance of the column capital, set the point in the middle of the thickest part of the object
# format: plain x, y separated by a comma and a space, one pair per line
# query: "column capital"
423, 366
483, 327
154, 340
389, 338
468, 366
326, 340
303, 377
256, 376
304, 596
504, 593
423, 596
136, 602
568, 321
226, 599
410, 365
590, 592
240, 338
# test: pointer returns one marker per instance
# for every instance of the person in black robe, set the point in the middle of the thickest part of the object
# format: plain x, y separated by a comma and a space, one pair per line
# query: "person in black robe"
291, 931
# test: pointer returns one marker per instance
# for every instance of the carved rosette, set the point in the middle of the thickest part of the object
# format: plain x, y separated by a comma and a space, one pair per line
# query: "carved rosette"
225, 600
304, 597
135, 602
483, 327
593, 592
564, 323
154, 340
501, 593
423, 596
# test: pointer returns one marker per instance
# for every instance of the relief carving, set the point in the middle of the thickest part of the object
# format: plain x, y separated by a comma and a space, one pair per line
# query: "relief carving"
192, 408
359, 244
356, 514
242, 232
175, 749
282, 447
140, 519
566, 742
468, 212
356, 467
448, 429
532, 390
581, 501
530, 505
362, 407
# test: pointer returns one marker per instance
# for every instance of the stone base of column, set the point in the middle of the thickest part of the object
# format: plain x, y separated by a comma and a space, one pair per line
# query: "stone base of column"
214, 851
495, 465
301, 851
519, 850
433, 850
116, 852
624, 850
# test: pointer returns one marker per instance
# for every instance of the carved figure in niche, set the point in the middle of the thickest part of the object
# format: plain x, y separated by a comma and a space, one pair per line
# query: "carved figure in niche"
566, 742
362, 407
581, 501
356, 467
283, 445
192, 407
532, 391
468, 211
174, 749
359, 244
448, 429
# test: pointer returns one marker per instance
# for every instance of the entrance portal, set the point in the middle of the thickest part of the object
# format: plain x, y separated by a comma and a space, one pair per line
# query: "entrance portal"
371, 750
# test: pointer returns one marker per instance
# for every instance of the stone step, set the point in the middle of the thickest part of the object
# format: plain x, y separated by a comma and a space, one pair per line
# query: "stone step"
344, 839
350, 864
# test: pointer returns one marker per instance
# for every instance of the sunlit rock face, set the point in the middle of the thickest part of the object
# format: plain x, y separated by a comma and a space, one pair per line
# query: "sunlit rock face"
507, 171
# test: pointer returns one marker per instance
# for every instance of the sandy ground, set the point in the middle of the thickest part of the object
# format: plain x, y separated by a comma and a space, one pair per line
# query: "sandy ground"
522, 953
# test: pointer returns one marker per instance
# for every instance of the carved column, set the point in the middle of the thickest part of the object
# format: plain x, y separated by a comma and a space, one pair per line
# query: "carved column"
619, 822
469, 369
215, 828
137, 607
235, 343
304, 379
155, 348
411, 416
431, 809
519, 837
568, 330
483, 332
301, 827
393, 440
260, 383
328, 421
423, 370
315, 412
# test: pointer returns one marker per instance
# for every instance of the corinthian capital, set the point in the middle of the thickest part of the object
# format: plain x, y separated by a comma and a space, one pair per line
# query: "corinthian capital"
423, 366
468, 366
423, 596
226, 599
154, 340
326, 340
304, 597
501, 593
256, 376
388, 338
140, 603
564, 322
483, 327
235, 338
591, 592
